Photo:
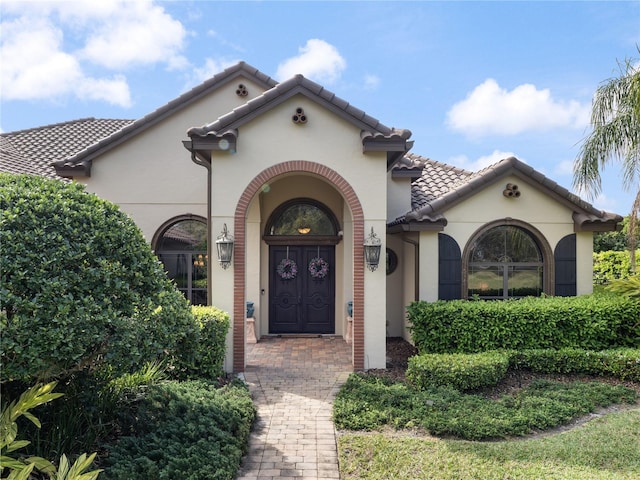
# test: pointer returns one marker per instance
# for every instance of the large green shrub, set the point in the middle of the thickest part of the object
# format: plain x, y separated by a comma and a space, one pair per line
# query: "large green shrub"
79, 285
188, 430
457, 370
612, 265
590, 322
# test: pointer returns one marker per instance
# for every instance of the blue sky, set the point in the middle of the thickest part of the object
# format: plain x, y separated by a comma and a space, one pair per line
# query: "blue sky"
474, 81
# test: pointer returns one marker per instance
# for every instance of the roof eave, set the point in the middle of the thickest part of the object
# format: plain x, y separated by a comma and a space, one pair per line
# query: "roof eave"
73, 170
606, 222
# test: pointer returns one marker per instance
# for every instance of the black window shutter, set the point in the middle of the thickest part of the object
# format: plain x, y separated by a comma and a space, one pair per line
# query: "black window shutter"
449, 268
565, 258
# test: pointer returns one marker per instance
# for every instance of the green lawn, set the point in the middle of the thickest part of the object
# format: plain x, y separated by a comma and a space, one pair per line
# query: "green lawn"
605, 448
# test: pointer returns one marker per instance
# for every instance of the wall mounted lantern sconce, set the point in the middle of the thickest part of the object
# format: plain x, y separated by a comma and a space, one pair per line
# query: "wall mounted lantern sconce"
224, 246
372, 247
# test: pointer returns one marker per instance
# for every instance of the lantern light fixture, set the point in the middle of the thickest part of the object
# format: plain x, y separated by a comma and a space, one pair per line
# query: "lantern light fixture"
372, 246
224, 246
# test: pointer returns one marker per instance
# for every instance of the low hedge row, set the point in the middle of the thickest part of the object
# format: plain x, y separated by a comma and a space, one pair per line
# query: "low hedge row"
590, 322
620, 363
472, 371
189, 430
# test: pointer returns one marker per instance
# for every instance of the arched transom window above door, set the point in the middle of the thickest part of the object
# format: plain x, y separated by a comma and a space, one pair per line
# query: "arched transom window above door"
181, 245
505, 261
302, 220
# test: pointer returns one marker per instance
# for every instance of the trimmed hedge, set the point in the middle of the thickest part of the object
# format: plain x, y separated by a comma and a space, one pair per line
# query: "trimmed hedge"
590, 322
473, 371
620, 363
202, 354
187, 430
458, 370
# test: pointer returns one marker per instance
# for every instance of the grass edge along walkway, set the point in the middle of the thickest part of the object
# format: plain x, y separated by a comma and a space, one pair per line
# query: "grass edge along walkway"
605, 448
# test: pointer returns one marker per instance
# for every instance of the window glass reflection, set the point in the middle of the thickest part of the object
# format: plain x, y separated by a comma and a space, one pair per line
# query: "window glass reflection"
183, 251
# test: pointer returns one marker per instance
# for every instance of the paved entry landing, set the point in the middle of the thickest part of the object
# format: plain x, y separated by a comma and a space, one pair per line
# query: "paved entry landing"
293, 382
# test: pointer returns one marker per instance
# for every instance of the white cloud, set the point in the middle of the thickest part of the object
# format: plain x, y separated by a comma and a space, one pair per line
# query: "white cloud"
565, 167
605, 203
371, 82
208, 70
463, 161
114, 91
34, 67
137, 33
47, 48
317, 60
490, 109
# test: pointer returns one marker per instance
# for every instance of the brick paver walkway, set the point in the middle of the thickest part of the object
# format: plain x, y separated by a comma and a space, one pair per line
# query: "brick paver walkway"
293, 382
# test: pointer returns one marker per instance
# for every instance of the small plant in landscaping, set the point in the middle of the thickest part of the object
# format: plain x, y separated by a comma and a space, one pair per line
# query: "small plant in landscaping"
21, 468
626, 286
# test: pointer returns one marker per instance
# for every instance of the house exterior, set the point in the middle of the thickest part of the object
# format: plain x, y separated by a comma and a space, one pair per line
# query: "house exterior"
300, 180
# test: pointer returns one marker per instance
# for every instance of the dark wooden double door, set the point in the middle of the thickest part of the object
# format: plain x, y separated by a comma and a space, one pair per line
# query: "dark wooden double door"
303, 304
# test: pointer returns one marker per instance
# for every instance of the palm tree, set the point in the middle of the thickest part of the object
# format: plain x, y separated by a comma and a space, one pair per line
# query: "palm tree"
615, 119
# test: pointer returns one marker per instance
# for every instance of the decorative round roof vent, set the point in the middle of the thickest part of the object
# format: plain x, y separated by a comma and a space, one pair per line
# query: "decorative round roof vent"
511, 191
299, 117
242, 91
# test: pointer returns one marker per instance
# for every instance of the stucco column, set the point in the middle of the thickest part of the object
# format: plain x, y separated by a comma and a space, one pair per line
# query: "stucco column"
584, 263
375, 309
428, 266
222, 284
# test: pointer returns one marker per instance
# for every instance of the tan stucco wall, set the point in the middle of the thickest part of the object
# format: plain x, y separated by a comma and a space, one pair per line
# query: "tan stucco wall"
151, 176
395, 289
584, 263
399, 196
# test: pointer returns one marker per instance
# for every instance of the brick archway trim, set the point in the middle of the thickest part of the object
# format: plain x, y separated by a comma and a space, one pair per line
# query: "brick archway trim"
239, 274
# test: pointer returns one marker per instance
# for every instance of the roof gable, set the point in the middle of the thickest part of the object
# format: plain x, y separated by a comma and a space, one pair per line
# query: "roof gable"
436, 196
80, 162
374, 135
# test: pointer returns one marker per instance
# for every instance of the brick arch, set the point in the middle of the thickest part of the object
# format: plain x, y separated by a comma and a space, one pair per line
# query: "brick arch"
239, 256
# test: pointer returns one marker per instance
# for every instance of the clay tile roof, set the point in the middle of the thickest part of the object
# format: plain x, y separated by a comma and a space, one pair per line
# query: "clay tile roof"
179, 103
435, 180
35, 149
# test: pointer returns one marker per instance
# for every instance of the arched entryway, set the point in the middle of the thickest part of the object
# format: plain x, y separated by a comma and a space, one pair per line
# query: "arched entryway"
301, 234
240, 230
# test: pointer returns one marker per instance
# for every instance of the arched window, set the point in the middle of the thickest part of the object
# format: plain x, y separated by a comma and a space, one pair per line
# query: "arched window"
505, 262
181, 245
302, 219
